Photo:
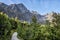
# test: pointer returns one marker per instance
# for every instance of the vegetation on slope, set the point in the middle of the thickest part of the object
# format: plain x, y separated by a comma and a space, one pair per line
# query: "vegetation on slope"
33, 31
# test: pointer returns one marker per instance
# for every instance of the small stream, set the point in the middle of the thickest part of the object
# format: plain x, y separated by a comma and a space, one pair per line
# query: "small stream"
14, 36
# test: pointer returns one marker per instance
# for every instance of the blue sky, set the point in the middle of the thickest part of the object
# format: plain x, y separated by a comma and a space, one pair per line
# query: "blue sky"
41, 6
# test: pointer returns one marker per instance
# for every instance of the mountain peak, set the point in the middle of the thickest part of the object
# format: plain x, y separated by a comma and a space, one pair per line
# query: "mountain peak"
35, 12
1, 3
21, 4
20, 11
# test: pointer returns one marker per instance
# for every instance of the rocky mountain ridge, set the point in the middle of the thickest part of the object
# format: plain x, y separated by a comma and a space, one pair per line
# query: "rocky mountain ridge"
21, 12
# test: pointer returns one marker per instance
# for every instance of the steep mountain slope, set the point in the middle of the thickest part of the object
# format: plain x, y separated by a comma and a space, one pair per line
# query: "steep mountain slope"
20, 11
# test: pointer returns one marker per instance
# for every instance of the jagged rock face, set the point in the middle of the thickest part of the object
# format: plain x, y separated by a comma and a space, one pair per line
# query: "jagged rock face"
40, 18
20, 11
49, 16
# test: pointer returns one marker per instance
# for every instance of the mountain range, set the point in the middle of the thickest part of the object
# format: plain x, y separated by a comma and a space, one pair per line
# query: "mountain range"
21, 12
